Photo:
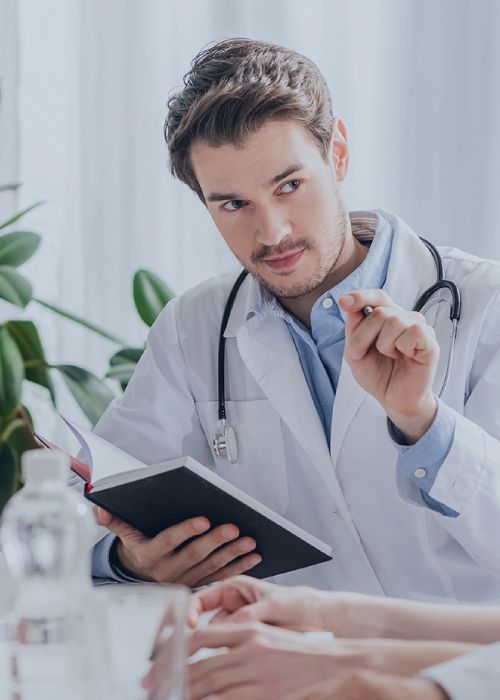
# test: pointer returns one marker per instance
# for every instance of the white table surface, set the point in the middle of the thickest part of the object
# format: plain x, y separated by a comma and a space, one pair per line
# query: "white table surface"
118, 642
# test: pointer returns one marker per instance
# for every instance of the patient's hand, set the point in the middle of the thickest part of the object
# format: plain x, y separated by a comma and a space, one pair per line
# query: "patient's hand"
260, 662
245, 599
371, 685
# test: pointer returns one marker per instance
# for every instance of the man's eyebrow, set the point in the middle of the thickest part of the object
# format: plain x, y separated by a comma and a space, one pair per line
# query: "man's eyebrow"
228, 196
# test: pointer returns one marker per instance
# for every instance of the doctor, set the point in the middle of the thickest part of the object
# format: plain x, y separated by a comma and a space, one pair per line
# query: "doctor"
337, 412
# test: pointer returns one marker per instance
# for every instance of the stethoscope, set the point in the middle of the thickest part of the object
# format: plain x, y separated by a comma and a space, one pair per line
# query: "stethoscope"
225, 443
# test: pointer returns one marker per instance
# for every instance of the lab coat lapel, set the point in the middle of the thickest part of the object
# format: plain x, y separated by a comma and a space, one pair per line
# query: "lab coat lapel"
411, 268
268, 351
348, 400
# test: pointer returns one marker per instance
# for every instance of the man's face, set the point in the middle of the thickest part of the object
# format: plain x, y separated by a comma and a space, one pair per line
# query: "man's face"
277, 204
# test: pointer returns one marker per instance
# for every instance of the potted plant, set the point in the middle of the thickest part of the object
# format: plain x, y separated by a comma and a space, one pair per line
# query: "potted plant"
23, 358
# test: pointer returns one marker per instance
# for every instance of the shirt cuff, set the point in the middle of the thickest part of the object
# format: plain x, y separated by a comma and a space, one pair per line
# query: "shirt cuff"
421, 462
102, 568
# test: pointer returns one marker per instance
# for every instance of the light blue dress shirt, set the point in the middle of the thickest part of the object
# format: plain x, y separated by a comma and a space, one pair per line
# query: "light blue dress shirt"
321, 351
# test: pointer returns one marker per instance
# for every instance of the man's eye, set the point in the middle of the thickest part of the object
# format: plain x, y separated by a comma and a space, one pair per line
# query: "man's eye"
233, 205
290, 186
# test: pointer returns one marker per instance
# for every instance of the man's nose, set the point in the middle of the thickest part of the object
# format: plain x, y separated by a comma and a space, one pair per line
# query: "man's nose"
272, 226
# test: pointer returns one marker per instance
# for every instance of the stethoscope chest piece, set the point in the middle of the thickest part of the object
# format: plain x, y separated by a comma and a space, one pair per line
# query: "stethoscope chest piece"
225, 444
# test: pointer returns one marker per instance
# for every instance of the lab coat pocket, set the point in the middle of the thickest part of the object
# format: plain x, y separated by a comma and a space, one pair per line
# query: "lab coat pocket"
260, 469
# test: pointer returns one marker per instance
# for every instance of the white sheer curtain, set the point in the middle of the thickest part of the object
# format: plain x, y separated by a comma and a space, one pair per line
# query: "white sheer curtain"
85, 83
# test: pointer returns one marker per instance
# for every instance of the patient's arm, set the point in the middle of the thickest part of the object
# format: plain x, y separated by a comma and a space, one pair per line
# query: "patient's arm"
367, 616
404, 657
347, 615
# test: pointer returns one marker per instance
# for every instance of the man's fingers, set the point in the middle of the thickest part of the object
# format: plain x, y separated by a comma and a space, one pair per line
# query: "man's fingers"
234, 569
418, 342
169, 539
207, 571
125, 532
195, 553
356, 301
157, 555
381, 329
392, 331
218, 560
103, 517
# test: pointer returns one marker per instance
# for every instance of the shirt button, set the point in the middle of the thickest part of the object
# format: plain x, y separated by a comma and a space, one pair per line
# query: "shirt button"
420, 473
327, 303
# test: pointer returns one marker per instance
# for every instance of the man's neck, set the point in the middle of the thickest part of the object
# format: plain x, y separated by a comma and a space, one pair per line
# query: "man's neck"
351, 257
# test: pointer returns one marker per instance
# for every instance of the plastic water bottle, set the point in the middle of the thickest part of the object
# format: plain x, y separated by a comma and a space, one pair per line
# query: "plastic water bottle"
46, 534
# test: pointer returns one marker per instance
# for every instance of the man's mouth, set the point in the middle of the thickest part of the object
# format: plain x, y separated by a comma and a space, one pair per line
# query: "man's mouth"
285, 261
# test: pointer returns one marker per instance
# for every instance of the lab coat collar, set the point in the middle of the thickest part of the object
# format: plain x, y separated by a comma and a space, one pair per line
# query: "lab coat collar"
245, 304
411, 267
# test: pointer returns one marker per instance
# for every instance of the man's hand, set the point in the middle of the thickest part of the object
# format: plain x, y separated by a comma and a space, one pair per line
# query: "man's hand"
244, 599
209, 557
393, 355
369, 685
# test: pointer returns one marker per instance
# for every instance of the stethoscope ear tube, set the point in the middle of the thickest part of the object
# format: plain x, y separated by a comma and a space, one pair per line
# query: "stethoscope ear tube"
441, 283
455, 303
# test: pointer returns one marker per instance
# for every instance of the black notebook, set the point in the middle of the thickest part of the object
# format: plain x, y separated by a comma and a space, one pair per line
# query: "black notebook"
152, 498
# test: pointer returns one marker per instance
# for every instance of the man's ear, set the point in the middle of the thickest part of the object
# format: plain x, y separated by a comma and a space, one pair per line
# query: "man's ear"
339, 149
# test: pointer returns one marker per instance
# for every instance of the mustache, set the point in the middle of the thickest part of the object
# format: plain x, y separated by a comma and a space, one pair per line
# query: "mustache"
268, 251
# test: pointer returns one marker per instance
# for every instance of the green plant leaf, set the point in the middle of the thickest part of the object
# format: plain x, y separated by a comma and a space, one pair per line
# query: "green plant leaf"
126, 356
22, 439
10, 188
11, 372
91, 393
14, 288
81, 321
28, 341
122, 373
150, 295
18, 247
19, 215
123, 364
8, 473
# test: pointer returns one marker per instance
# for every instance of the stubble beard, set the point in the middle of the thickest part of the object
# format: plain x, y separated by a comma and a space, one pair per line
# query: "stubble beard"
327, 262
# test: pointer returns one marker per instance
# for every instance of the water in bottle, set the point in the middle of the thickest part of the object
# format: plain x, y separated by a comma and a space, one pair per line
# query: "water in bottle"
46, 535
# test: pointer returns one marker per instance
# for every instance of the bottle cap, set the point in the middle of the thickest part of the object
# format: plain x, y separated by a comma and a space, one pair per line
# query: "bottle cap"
44, 465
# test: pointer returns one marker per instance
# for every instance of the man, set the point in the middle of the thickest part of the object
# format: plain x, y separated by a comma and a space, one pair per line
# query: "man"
336, 410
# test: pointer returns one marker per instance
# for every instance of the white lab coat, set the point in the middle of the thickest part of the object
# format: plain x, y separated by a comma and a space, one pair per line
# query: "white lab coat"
474, 676
384, 540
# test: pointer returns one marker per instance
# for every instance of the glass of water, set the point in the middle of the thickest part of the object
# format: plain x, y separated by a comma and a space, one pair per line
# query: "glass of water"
131, 619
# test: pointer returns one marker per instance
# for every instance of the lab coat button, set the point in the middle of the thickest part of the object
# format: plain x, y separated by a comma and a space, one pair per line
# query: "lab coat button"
420, 473
327, 303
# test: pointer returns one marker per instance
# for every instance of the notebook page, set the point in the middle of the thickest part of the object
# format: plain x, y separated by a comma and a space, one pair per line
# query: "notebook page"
104, 458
